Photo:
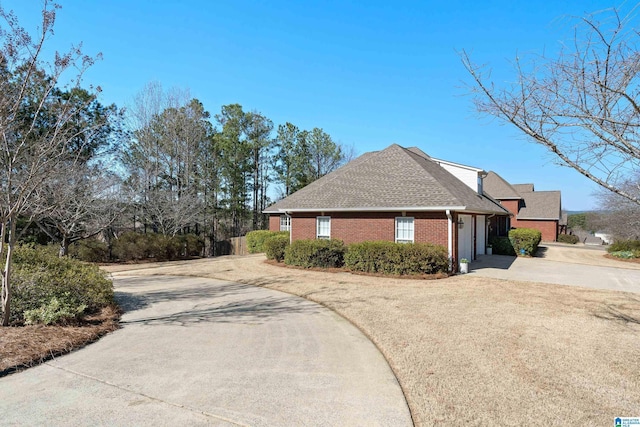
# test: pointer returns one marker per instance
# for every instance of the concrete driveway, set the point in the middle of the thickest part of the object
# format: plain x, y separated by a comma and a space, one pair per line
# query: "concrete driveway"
563, 265
196, 351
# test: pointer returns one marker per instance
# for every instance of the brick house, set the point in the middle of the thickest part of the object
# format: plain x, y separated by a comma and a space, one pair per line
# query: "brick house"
396, 194
541, 210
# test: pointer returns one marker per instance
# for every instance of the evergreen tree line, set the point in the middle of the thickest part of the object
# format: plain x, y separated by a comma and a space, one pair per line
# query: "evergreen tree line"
168, 166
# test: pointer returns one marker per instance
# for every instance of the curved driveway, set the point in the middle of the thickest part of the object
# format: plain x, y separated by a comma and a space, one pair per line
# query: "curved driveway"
196, 351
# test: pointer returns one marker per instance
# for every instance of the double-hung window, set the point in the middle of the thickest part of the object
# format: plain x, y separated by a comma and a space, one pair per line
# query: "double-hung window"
404, 229
285, 223
323, 227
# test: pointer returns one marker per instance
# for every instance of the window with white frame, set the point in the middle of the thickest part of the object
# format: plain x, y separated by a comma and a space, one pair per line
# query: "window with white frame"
285, 223
404, 229
323, 227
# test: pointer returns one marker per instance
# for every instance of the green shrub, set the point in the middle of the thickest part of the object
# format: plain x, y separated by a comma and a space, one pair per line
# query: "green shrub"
568, 238
501, 246
626, 254
192, 245
256, 239
525, 241
39, 276
275, 246
55, 312
624, 245
397, 258
315, 253
132, 246
90, 250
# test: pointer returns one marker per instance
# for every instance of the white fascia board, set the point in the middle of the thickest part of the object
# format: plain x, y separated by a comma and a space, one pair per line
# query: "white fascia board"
471, 168
537, 219
483, 212
379, 209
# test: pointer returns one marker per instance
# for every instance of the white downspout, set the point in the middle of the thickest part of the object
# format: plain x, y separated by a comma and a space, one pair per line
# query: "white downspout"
450, 238
290, 227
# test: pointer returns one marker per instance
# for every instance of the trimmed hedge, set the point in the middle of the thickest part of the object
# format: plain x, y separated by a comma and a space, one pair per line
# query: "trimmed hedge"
624, 246
48, 289
89, 250
256, 239
397, 258
275, 246
525, 241
132, 246
501, 246
568, 238
315, 253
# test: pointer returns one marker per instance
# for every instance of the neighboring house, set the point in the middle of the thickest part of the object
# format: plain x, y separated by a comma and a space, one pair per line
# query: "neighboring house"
541, 210
397, 194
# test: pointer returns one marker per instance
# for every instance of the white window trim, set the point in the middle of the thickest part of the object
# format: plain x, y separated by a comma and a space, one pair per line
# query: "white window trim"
318, 236
413, 230
287, 225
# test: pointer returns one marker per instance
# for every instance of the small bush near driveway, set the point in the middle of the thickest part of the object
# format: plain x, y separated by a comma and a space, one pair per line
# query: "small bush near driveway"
275, 246
568, 238
525, 241
48, 289
397, 258
501, 246
256, 239
624, 245
316, 253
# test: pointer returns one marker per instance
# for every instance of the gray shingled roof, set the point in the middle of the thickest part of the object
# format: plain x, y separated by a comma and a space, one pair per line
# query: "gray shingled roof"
496, 186
523, 188
541, 205
536, 204
392, 179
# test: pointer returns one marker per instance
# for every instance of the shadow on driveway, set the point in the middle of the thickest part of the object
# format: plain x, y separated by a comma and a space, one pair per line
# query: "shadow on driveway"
501, 262
220, 303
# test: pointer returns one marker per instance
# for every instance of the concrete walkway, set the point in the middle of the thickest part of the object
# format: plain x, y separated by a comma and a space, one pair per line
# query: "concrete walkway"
196, 351
576, 273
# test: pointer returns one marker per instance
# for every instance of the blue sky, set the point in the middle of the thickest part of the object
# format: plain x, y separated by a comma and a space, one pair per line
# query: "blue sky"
369, 73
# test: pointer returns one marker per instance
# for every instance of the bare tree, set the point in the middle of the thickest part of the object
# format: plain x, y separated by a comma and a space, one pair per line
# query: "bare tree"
78, 202
582, 105
618, 215
165, 158
37, 126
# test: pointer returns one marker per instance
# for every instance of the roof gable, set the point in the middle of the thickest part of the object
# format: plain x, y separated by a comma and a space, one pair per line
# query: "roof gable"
523, 188
391, 179
498, 188
541, 205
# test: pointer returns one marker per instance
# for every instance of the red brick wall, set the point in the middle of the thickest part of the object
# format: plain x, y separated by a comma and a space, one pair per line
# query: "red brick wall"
549, 229
358, 227
274, 222
511, 205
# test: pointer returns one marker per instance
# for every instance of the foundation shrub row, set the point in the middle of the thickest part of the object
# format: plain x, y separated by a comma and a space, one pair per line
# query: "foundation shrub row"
370, 257
397, 258
257, 238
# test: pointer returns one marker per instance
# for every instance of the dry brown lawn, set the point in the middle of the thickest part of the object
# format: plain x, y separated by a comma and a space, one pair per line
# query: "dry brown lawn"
476, 351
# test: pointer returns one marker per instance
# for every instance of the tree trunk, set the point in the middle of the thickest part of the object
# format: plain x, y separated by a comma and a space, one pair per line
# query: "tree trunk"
6, 273
256, 185
64, 247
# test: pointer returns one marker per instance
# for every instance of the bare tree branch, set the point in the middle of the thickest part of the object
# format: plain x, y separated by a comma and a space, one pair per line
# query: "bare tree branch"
582, 106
